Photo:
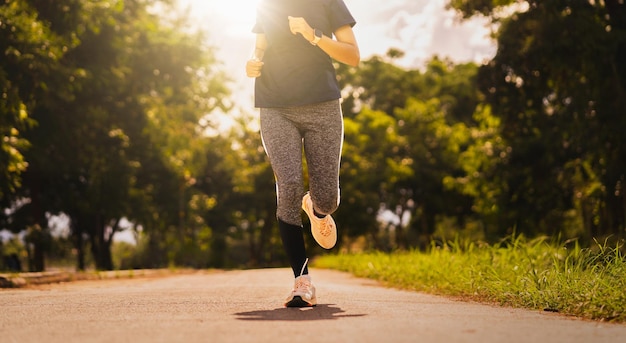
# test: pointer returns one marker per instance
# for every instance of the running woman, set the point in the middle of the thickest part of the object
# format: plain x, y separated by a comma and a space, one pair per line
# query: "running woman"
298, 95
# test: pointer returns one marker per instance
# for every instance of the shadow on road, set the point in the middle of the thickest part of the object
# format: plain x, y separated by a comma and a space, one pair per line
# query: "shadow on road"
319, 312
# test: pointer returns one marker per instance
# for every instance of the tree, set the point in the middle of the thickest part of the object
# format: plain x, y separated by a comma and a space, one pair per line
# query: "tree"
377, 84
370, 168
557, 83
32, 51
425, 112
117, 120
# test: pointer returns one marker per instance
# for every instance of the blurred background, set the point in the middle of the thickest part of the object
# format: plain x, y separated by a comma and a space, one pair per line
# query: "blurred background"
130, 139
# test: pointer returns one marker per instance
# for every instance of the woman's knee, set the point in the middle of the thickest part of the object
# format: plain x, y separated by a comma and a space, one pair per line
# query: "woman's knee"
326, 203
289, 202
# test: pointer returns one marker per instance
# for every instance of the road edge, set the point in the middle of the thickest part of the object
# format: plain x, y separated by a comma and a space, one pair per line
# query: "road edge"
20, 280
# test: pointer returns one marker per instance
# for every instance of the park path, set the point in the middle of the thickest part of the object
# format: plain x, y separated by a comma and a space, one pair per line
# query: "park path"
245, 306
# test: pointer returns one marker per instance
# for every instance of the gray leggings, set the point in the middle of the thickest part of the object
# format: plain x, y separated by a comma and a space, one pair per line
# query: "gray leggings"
317, 127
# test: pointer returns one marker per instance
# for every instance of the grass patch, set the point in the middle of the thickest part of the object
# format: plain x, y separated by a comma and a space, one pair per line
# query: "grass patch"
535, 274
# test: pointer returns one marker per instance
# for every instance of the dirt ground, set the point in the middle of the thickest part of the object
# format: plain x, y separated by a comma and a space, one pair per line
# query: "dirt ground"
246, 306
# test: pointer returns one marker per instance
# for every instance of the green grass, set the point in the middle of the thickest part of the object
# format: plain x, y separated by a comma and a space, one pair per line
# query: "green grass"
535, 274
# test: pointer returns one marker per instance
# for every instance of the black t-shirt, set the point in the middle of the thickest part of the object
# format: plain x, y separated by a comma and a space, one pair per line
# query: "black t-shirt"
295, 71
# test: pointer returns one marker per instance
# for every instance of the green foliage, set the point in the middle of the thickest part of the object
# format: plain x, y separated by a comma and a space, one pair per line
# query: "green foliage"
481, 152
479, 7
26, 43
370, 168
409, 128
244, 217
117, 94
13, 255
557, 84
535, 274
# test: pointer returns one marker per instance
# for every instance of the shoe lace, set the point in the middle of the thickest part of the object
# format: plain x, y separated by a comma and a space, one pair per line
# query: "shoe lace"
302, 284
325, 227
304, 266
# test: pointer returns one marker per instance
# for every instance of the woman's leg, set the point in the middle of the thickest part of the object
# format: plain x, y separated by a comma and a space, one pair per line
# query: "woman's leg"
321, 128
323, 141
283, 145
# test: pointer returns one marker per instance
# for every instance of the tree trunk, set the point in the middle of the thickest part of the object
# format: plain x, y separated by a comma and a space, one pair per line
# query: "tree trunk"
218, 251
80, 251
79, 243
38, 240
39, 258
101, 245
253, 248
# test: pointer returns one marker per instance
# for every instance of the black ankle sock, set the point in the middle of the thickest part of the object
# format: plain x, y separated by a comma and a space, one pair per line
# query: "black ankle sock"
321, 216
293, 243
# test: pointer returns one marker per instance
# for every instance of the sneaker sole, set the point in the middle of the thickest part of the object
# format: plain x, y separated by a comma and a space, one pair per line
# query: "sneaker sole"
298, 302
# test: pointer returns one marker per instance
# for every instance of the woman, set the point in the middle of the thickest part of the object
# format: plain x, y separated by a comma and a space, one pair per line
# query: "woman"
298, 95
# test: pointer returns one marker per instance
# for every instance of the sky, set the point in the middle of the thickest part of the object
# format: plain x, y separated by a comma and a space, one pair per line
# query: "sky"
420, 28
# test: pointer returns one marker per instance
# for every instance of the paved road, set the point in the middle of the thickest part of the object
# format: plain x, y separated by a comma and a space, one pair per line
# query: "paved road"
245, 306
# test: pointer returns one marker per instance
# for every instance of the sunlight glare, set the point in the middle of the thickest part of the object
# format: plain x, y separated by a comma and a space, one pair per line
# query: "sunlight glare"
232, 11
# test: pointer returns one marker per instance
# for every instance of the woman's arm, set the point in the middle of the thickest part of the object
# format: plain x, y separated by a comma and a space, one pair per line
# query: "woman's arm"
344, 49
255, 63
260, 46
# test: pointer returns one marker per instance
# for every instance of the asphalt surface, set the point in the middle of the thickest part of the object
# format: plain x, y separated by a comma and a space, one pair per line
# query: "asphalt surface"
246, 306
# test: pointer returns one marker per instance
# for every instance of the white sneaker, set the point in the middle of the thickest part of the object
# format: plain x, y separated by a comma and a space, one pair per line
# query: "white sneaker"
324, 229
303, 293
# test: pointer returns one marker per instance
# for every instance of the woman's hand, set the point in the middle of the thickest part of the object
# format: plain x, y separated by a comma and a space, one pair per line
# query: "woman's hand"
344, 49
253, 67
299, 25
